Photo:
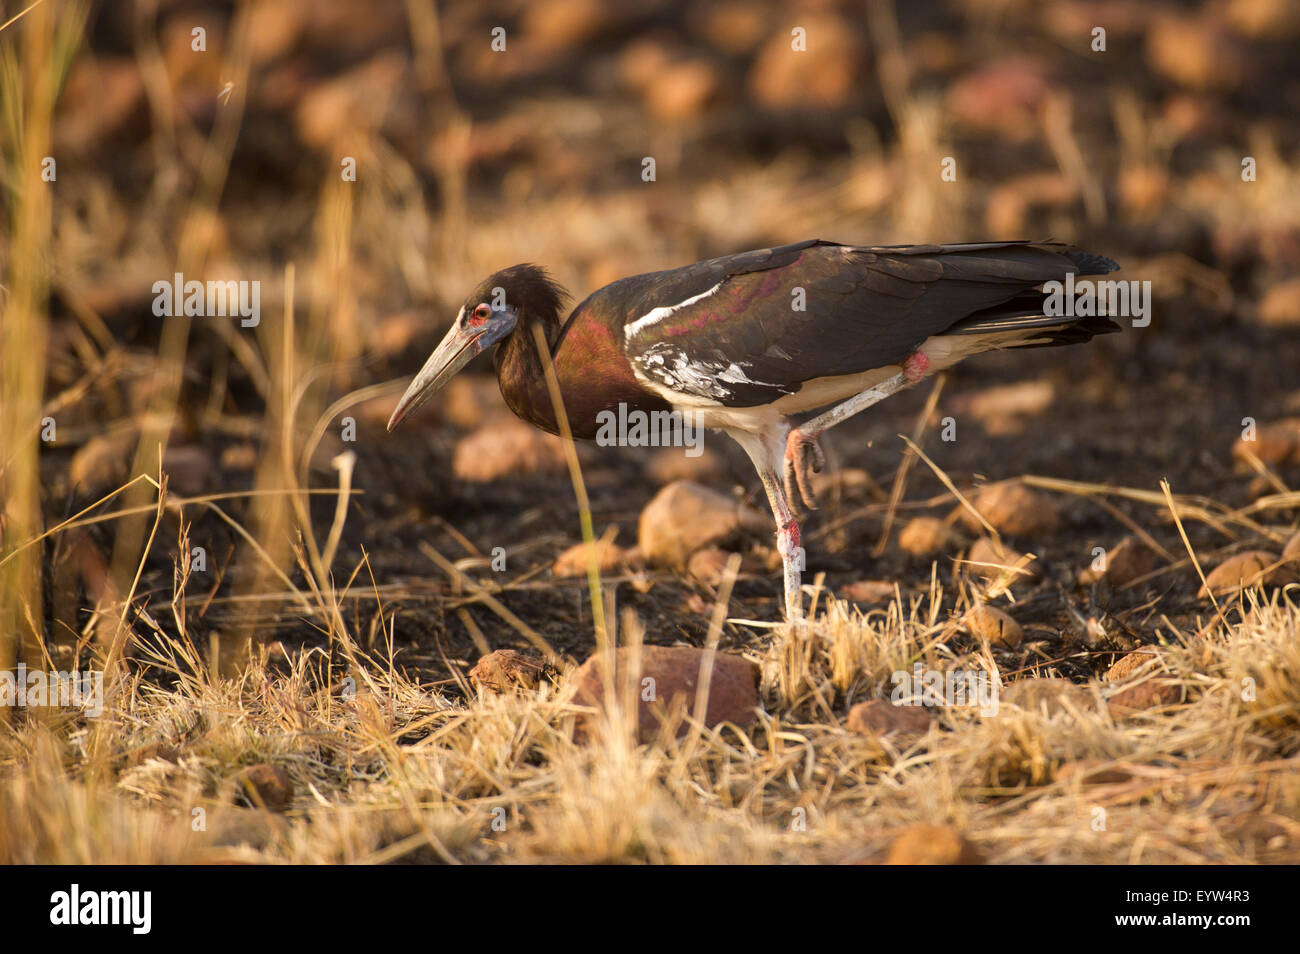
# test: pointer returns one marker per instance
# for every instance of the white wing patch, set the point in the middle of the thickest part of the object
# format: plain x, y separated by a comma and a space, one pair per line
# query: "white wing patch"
656, 315
671, 367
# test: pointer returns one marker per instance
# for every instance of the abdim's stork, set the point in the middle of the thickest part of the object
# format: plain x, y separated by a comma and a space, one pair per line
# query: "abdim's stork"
749, 341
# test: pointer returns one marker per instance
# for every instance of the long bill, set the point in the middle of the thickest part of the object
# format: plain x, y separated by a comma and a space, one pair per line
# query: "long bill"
453, 353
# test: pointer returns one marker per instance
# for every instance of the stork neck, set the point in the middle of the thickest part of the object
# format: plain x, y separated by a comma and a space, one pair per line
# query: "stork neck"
521, 377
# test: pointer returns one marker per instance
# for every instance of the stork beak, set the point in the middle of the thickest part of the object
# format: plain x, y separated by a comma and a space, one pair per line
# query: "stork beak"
452, 354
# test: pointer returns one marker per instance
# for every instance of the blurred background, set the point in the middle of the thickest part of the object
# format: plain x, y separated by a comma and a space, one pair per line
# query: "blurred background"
212, 139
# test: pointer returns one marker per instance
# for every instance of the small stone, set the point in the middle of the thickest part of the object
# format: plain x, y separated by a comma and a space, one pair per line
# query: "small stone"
990, 561
673, 673
1131, 664
508, 668
880, 718
710, 565
505, 448
870, 591
1238, 572
668, 464
684, 517
926, 536
683, 89
1003, 410
1014, 509
1280, 306
1149, 694
1092, 772
576, 560
932, 845
470, 401
1002, 97
265, 786
992, 624
1128, 560
1291, 552
1276, 443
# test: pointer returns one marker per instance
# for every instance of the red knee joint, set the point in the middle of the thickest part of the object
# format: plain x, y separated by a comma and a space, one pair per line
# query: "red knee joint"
790, 533
916, 365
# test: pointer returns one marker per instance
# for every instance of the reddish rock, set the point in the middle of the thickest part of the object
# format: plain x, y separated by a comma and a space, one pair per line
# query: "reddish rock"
505, 447
1237, 572
667, 464
1128, 560
881, 718
1131, 664
1002, 97
992, 624
265, 786
1276, 443
1149, 694
1014, 509
710, 564
926, 536
989, 561
1092, 772
507, 669
870, 591
932, 845
576, 560
675, 671
823, 76
684, 517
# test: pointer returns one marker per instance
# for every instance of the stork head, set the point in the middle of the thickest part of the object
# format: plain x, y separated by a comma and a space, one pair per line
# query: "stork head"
492, 311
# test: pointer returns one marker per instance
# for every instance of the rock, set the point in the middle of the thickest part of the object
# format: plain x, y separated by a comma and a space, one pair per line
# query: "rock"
507, 669
1149, 694
1196, 52
1128, 560
684, 517
265, 786
881, 718
506, 447
102, 463
925, 536
992, 624
1268, 20
1291, 552
1131, 664
471, 400
1276, 443
1092, 772
683, 89
989, 561
842, 481
1002, 410
576, 560
1280, 306
824, 76
668, 464
1048, 696
932, 845
710, 564
1012, 204
1001, 98
870, 591
675, 671
1237, 572
253, 827
1012, 508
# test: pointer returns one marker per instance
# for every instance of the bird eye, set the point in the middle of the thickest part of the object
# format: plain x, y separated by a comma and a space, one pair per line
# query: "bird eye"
482, 312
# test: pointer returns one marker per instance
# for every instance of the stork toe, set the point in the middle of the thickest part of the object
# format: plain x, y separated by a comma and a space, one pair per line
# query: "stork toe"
803, 457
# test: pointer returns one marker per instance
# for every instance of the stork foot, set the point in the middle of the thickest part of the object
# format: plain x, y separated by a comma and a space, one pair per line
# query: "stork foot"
803, 457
